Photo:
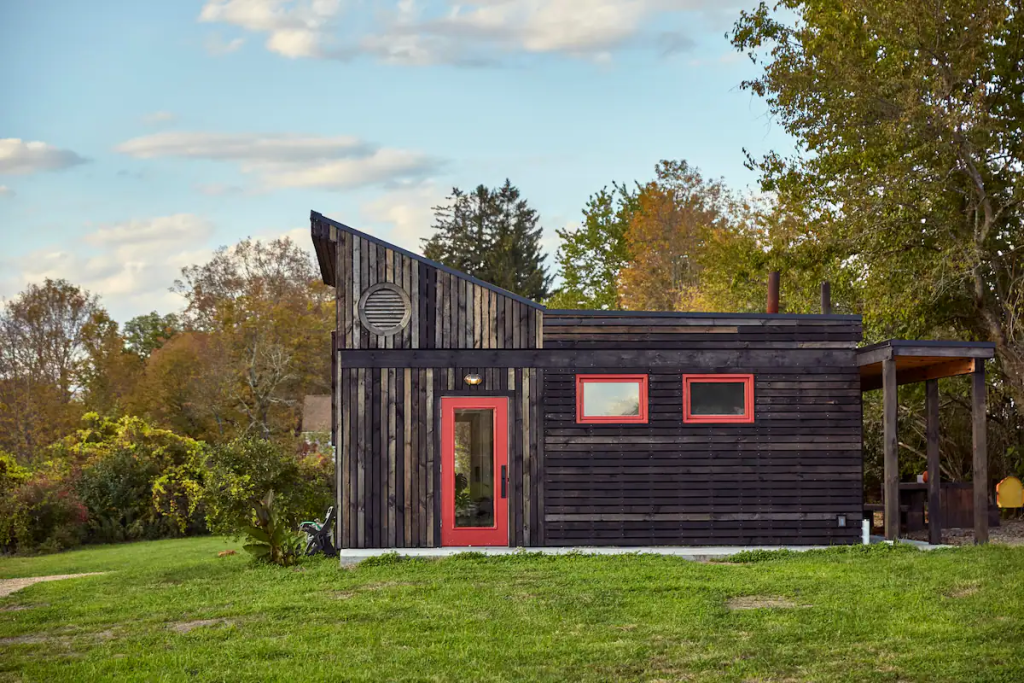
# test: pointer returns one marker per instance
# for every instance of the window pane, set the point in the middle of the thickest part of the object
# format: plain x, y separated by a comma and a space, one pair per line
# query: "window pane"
717, 398
611, 399
474, 468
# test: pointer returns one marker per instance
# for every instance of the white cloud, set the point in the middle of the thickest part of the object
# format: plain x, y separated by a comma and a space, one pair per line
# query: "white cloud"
21, 157
6, 191
471, 31
217, 46
282, 161
294, 29
405, 213
157, 117
218, 189
131, 265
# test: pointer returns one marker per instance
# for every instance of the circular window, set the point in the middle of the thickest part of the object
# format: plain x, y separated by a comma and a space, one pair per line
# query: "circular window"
384, 308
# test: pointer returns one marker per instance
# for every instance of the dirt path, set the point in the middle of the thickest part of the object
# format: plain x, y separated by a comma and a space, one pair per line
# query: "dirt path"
8, 586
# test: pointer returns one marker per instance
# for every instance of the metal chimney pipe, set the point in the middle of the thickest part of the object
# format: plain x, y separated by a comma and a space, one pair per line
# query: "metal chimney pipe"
826, 298
773, 292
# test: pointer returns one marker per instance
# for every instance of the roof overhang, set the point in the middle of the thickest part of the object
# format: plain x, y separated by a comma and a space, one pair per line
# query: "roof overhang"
917, 361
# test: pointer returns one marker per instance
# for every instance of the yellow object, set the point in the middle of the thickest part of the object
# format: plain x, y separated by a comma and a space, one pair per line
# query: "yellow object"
1010, 493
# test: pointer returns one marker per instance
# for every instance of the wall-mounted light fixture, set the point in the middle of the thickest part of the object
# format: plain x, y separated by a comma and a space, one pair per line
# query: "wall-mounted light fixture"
473, 380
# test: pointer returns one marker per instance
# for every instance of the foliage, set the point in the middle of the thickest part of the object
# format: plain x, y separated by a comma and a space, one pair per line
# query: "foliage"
12, 474
591, 257
42, 512
270, 540
144, 334
42, 355
911, 159
875, 614
118, 463
267, 317
492, 235
110, 372
676, 215
185, 388
226, 482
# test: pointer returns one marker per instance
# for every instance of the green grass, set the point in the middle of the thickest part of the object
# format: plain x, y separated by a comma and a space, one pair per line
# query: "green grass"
887, 614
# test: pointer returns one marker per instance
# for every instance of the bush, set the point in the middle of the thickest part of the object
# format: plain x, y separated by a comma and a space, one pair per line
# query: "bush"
226, 483
119, 463
42, 512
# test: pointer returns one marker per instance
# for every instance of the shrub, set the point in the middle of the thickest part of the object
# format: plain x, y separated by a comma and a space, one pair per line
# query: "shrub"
120, 462
226, 484
269, 539
42, 513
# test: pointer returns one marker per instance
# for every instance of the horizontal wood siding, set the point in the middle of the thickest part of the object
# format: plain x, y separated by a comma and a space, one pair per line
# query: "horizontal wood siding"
782, 480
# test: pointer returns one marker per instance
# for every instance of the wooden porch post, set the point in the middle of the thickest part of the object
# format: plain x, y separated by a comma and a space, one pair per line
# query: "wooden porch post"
890, 445
934, 478
980, 454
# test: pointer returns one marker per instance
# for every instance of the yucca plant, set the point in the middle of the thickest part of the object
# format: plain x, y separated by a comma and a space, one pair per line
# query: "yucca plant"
271, 541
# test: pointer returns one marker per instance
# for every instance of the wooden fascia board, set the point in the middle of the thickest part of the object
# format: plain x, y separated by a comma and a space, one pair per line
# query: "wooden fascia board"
952, 368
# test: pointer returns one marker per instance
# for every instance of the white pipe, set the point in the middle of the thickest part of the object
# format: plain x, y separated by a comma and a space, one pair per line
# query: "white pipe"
866, 531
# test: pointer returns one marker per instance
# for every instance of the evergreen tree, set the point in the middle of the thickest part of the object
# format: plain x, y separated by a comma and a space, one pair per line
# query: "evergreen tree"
491, 234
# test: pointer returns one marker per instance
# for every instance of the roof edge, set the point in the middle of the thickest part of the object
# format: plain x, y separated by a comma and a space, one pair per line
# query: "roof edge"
582, 313
315, 215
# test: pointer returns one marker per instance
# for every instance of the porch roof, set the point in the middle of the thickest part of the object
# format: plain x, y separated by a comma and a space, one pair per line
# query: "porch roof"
917, 361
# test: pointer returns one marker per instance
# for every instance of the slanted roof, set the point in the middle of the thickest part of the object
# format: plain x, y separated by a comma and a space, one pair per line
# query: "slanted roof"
316, 413
917, 361
325, 243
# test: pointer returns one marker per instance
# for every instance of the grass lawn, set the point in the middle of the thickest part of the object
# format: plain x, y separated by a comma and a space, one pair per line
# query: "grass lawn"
174, 611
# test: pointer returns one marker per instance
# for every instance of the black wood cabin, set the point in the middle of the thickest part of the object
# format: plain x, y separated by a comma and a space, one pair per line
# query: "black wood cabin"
415, 339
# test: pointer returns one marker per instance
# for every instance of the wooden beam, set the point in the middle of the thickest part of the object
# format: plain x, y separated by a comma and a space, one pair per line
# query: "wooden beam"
890, 445
726, 359
931, 388
959, 366
947, 351
980, 443
873, 356
826, 298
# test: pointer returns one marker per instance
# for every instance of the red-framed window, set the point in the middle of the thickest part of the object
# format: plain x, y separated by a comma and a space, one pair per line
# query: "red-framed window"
718, 398
611, 398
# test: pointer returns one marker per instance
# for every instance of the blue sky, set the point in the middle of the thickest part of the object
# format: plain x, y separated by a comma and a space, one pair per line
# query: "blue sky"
136, 137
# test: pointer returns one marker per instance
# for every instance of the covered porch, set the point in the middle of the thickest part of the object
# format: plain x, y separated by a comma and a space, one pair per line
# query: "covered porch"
895, 362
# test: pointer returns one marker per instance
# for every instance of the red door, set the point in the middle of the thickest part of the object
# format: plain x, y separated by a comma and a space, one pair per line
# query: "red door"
474, 471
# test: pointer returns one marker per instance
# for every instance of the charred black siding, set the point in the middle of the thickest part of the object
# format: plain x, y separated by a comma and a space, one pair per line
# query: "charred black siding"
784, 479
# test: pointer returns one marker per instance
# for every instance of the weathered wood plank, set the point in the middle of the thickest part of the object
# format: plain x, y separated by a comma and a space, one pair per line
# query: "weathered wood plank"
934, 473
980, 448
408, 463
431, 462
890, 447
361, 467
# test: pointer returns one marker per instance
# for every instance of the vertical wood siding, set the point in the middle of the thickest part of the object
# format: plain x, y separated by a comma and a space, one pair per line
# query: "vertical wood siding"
393, 446
448, 312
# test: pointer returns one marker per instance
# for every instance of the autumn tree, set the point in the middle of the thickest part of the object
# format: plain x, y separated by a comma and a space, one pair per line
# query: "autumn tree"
910, 155
494, 235
269, 317
110, 372
591, 257
42, 356
676, 215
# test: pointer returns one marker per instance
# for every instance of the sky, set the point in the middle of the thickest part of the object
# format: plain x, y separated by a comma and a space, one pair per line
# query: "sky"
138, 137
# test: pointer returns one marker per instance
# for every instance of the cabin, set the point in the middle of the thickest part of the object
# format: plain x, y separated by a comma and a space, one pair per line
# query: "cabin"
465, 415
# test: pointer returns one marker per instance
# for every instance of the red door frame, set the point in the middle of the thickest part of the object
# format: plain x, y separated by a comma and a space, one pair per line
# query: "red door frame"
496, 535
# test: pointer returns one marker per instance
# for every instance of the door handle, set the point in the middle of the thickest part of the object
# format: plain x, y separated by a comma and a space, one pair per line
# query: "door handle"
504, 479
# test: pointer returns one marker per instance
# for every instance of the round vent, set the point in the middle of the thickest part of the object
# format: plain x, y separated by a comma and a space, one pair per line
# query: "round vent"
384, 308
